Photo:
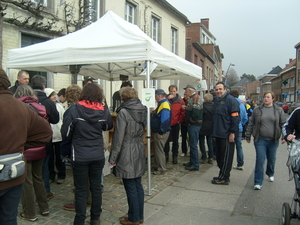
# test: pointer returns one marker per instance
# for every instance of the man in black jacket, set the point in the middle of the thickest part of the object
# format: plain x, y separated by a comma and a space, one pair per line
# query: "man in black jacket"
23, 78
38, 84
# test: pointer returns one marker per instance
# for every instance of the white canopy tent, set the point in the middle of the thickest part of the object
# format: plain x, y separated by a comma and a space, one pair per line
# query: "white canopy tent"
106, 49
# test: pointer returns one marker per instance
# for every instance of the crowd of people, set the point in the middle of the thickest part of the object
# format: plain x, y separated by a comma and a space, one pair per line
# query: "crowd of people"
68, 127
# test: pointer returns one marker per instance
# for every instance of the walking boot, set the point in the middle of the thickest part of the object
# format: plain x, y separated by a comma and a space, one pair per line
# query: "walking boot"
175, 161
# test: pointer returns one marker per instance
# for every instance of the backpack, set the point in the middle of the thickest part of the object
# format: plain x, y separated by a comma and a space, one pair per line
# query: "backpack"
39, 109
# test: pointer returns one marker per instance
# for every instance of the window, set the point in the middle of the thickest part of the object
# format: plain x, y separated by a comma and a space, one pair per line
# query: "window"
292, 82
201, 63
153, 84
298, 76
43, 2
174, 40
196, 59
203, 39
155, 22
130, 11
299, 55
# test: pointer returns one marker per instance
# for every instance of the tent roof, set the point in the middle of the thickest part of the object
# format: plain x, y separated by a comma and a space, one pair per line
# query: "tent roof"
105, 49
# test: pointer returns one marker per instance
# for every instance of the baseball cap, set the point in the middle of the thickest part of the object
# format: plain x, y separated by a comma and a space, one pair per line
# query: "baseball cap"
160, 92
190, 87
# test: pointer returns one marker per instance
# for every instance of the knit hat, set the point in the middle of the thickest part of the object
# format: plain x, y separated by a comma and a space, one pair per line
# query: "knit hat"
4, 81
48, 91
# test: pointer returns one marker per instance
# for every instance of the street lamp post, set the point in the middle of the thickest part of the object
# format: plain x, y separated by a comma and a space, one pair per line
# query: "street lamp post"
231, 64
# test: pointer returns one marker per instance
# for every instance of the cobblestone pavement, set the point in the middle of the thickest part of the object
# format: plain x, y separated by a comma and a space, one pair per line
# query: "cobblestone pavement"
114, 203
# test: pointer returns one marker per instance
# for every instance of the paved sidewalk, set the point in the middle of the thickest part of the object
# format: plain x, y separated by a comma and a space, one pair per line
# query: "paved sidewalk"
181, 197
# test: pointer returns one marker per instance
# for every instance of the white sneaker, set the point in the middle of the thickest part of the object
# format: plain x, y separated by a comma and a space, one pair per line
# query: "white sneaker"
238, 167
182, 154
257, 187
271, 179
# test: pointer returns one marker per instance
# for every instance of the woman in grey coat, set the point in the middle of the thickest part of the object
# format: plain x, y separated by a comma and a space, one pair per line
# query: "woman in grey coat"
127, 152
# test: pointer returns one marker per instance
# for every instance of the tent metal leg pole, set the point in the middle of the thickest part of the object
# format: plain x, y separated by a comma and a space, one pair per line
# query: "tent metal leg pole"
149, 133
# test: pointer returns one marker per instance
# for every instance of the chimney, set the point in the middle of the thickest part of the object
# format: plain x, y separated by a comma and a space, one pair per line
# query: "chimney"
205, 22
290, 60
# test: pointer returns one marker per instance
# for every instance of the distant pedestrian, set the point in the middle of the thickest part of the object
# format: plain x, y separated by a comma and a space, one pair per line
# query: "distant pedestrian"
206, 130
193, 118
183, 129
238, 135
177, 117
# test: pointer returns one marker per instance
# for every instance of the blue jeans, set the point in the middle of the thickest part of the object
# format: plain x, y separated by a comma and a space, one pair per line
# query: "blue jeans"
264, 149
193, 132
9, 201
135, 198
209, 145
45, 173
82, 171
239, 149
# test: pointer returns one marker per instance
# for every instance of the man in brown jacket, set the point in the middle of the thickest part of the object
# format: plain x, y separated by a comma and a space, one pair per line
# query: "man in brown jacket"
20, 128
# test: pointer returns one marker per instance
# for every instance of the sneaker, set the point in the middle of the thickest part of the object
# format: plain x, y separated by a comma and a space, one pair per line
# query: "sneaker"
69, 207
257, 187
220, 182
217, 178
210, 161
50, 196
238, 167
60, 181
183, 154
46, 213
271, 179
22, 215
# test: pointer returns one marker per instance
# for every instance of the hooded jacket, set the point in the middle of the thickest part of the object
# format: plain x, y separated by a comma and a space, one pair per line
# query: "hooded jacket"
243, 115
206, 128
127, 150
178, 113
83, 126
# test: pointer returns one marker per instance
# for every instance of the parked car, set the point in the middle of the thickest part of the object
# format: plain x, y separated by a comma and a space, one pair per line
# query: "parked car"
293, 106
286, 106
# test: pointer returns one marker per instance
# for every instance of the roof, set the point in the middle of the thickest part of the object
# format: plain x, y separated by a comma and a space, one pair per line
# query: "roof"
242, 82
123, 50
275, 70
174, 10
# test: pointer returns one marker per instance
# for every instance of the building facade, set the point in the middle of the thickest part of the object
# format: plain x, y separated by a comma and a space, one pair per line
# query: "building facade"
201, 49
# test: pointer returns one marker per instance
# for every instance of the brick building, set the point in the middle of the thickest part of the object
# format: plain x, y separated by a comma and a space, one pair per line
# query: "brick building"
202, 50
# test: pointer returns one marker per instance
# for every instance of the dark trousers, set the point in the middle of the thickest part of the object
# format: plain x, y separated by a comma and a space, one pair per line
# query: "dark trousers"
209, 146
59, 164
82, 171
183, 128
9, 201
45, 173
174, 136
224, 156
135, 198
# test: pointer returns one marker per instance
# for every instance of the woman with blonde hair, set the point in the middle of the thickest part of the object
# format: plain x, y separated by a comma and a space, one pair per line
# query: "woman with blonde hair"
265, 126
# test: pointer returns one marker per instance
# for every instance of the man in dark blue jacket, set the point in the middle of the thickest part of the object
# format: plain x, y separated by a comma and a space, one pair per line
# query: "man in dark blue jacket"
226, 121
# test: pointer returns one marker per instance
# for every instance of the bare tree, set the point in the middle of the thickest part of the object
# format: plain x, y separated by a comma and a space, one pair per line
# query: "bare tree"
232, 77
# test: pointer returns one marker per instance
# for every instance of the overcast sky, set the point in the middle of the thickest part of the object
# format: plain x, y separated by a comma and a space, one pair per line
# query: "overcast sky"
255, 35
